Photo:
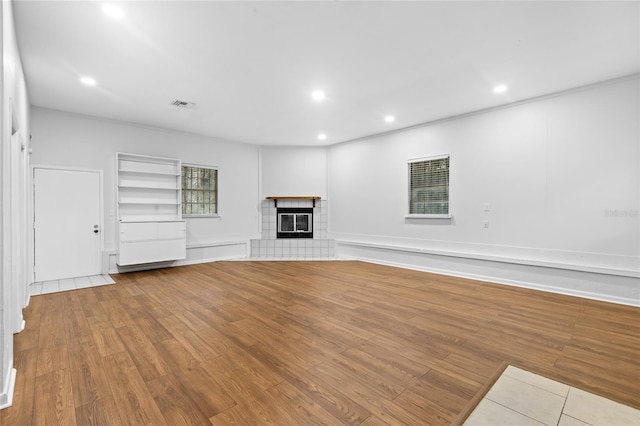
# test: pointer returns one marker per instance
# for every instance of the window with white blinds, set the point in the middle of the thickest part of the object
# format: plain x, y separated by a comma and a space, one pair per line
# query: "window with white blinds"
199, 191
429, 187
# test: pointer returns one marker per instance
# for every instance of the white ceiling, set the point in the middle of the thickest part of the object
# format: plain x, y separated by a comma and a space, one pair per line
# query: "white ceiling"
250, 67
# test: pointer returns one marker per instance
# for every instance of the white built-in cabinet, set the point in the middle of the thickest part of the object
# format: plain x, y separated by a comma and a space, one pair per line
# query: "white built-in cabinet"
150, 225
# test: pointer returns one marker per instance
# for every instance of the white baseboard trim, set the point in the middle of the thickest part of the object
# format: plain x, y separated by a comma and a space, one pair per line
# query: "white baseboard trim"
588, 285
213, 259
525, 256
217, 244
6, 397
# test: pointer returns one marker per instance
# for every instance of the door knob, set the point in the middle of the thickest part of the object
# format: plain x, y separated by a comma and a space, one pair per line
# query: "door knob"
95, 229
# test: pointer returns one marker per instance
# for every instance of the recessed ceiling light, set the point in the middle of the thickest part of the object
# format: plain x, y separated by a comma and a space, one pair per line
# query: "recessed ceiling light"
389, 119
322, 136
500, 89
112, 10
318, 95
88, 81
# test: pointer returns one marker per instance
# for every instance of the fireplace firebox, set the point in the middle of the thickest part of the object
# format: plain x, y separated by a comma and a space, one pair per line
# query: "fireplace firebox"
295, 222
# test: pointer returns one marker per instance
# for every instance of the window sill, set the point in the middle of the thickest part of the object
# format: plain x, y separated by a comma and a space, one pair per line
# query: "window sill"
196, 216
428, 216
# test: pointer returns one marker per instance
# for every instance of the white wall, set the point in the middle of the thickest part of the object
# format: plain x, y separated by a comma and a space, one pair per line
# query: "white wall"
292, 171
69, 140
14, 178
560, 175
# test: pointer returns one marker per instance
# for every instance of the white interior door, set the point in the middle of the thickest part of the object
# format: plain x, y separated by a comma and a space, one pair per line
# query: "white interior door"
67, 228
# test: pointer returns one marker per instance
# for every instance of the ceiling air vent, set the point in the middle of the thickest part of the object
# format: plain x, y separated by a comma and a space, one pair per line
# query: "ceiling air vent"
182, 104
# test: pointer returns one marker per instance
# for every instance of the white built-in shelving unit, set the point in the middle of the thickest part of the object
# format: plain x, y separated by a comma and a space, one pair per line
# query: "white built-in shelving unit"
149, 212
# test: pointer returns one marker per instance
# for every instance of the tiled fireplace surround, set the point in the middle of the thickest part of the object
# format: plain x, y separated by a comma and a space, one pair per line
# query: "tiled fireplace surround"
270, 247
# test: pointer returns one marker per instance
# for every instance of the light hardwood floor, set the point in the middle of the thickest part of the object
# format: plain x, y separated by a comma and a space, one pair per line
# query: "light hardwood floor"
304, 343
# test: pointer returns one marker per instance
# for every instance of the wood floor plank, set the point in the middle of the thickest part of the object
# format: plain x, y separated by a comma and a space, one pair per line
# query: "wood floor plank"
388, 369
331, 399
234, 416
125, 297
296, 343
54, 399
302, 349
99, 412
21, 412
175, 355
189, 340
52, 358
155, 309
210, 317
252, 369
481, 360
361, 393
385, 384
52, 331
174, 403
105, 337
420, 406
386, 352
118, 316
439, 394
374, 420
416, 352
601, 380
78, 331
134, 402
446, 366
354, 385
146, 357
450, 383
206, 389
232, 331
151, 327
89, 380
304, 410
89, 303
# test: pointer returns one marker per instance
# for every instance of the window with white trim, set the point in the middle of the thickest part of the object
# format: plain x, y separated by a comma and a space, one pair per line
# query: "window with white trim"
429, 187
199, 191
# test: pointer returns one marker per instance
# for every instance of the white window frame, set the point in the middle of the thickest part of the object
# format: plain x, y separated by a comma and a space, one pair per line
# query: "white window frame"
217, 190
408, 201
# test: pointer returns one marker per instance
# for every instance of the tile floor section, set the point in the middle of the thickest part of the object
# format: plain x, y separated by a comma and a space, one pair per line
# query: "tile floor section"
519, 397
46, 287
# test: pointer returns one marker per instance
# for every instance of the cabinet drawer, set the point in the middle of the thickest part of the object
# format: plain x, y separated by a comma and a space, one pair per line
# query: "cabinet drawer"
147, 231
138, 231
151, 251
147, 242
171, 230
